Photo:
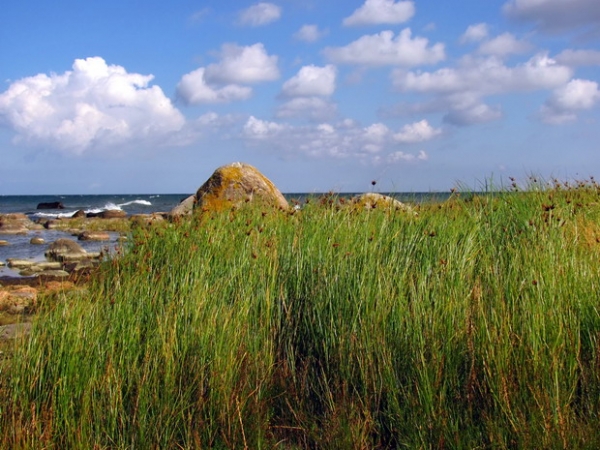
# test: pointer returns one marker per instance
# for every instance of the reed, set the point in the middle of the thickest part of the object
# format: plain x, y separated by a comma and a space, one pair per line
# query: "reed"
474, 324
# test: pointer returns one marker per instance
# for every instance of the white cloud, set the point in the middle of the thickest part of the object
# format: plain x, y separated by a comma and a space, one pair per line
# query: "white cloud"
460, 91
260, 14
261, 129
311, 81
555, 15
250, 64
385, 49
475, 33
487, 76
504, 44
407, 157
313, 108
564, 104
310, 33
345, 139
94, 106
578, 58
374, 12
416, 132
194, 90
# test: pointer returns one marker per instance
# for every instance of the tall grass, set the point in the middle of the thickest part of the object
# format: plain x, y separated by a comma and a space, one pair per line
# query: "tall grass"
474, 324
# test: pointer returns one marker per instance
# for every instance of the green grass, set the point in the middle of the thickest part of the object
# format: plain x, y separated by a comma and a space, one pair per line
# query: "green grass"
474, 324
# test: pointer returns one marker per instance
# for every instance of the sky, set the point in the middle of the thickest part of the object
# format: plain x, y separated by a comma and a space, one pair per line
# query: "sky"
131, 96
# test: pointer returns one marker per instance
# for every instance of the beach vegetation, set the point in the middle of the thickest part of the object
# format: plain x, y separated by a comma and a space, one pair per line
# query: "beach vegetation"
471, 323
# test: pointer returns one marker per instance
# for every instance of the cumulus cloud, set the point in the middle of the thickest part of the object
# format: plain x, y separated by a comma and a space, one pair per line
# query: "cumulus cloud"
243, 65
578, 58
315, 109
260, 14
193, 90
310, 33
311, 81
223, 82
374, 12
503, 45
555, 15
403, 156
475, 33
94, 106
461, 90
305, 92
385, 49
566, 101
345, 139
416, 132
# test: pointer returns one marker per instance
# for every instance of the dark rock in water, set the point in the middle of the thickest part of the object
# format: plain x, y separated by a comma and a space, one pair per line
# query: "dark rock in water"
50, 205
235, 184
36, 240
63, 247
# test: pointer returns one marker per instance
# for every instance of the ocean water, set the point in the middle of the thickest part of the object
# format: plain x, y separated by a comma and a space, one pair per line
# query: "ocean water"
20, 247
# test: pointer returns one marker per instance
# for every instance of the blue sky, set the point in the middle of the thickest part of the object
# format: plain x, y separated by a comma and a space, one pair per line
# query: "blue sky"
151, 96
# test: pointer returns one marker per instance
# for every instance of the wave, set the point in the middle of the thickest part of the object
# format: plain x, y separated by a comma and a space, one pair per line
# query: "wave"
136, 202
91, 210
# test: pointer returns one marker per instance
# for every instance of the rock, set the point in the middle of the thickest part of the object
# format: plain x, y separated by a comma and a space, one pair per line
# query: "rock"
94, 236
147, 219
14, 330
16, 223
49, 265
18, 299
50, 205
235, 184
3, 243
75, 266
53, 224
14, 263
78, 214
372, 200
36, 240
54, 274
184, 208
63, 248
109, 214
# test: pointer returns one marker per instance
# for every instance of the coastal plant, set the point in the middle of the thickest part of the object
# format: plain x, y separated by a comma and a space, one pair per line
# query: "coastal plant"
471, 324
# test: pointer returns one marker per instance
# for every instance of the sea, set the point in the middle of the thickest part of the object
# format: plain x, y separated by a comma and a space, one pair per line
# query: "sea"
19, 247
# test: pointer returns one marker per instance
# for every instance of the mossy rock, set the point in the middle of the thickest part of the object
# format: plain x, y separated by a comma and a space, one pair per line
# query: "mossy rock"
373, 200
236, 184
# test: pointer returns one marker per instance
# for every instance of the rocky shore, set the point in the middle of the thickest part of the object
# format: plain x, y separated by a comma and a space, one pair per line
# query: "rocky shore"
63, 262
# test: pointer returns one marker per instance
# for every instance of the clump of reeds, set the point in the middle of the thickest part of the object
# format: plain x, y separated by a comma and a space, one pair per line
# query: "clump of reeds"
473, 324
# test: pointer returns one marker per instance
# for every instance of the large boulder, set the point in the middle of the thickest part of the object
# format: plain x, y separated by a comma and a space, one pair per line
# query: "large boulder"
235, 184
65, 249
